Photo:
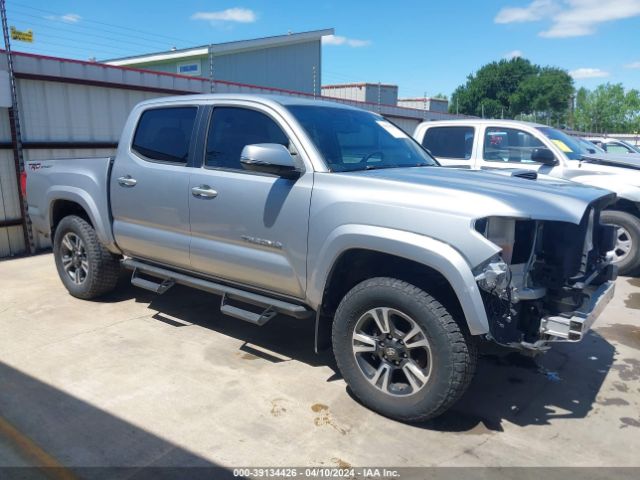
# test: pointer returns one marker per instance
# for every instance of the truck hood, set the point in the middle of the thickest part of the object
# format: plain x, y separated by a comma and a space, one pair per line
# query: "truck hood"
629, 160
484, 193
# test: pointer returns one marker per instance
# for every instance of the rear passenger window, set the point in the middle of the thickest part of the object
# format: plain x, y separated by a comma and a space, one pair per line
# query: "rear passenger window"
164, 134
449, 142
231, 129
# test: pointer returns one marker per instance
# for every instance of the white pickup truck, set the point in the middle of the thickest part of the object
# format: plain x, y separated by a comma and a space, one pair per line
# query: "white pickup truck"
499, 144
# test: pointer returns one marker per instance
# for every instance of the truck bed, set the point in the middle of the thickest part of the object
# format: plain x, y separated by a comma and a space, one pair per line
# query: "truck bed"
84, 181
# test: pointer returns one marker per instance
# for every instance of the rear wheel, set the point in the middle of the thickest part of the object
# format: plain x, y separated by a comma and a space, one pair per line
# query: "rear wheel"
87, 269
627, 250
400, 351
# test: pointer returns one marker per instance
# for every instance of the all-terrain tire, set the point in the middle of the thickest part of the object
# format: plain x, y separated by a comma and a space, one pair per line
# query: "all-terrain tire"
630, 263
453, 351
103, 267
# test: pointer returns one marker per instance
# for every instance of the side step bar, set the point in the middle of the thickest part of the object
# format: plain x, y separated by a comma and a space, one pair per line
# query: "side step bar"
169, 278
150, 285
258, 319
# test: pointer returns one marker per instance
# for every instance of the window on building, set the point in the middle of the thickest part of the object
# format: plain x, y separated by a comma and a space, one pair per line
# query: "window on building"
164, 134
509, 145
449, 142
231, 129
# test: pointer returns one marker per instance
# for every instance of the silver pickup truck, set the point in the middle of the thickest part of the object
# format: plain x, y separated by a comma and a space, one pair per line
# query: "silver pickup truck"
324, 212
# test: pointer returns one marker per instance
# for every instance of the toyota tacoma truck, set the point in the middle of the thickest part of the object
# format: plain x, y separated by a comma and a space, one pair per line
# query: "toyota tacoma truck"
497, 144
332, 214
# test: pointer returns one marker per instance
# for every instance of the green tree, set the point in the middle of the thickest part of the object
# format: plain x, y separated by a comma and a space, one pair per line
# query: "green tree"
514, 87
608, 109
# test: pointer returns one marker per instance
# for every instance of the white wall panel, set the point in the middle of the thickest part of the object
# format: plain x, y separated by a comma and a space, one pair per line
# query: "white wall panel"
11, 242
9, 200
54, 111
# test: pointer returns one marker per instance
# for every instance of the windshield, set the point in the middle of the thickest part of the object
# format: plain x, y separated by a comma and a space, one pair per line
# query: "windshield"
351, 140
569, 146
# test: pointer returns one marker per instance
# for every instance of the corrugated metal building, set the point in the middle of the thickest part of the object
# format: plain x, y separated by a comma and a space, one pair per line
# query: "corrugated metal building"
432, 104
291, 62
70, 108
378, 93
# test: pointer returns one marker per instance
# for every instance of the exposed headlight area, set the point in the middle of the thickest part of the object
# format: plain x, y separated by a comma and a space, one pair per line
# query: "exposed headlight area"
544, 269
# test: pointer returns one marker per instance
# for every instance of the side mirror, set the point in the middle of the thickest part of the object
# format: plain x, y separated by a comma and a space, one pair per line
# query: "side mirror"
269, 158
543, 156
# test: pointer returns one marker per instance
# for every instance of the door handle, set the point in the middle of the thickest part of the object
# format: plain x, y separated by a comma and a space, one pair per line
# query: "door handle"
127, 181
204, 191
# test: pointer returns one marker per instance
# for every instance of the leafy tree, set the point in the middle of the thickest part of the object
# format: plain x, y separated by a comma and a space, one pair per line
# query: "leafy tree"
608, 108
514, 87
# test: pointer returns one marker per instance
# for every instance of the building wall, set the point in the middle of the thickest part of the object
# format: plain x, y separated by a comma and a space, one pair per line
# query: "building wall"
365, 92
172, 66
431, 104
289, 67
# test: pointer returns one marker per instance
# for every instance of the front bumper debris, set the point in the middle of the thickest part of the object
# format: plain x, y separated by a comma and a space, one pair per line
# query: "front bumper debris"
572, 326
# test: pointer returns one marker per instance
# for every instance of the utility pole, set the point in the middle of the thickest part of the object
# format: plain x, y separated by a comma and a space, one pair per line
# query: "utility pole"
212, 85
379, 97
14, 119
314, 81
482, 105
424, 106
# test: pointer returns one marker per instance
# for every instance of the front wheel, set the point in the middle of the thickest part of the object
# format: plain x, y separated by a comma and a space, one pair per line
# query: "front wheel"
626, 254
87, 269
400, 351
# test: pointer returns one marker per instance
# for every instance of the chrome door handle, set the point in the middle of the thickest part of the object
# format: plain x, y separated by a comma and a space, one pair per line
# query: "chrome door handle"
127, 181
204, 191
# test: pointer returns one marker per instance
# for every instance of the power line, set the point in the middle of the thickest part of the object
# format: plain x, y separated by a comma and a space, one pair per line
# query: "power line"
29, 7
70, 27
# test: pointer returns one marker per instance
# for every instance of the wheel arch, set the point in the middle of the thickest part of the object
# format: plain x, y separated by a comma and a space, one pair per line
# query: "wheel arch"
72, 201
627, 206
369, 251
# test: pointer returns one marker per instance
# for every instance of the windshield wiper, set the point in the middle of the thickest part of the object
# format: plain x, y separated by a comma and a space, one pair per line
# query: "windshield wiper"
379, 167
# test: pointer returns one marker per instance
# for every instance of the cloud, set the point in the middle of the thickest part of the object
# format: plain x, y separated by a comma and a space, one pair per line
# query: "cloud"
513, 54
582, 73
239, 15
570, 18
66, 18
632, 65
537, 10
338, 40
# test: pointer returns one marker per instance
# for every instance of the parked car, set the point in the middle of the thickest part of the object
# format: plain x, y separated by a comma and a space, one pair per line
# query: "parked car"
283, 205
590, 147
507, 144
613, 145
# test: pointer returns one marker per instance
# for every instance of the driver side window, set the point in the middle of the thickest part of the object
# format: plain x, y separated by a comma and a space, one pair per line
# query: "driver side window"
233, 128
509, 145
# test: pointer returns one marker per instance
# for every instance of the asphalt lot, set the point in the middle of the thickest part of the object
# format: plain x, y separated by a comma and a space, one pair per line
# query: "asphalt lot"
139, 380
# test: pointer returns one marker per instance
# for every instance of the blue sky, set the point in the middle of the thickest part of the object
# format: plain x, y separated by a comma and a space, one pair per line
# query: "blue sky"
422, 46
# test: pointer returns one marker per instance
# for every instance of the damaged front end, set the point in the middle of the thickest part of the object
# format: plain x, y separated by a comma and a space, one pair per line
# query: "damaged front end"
551, 279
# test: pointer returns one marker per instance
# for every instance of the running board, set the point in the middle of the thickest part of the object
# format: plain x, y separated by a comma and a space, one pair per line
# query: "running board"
150, 285
258, 319
255, 299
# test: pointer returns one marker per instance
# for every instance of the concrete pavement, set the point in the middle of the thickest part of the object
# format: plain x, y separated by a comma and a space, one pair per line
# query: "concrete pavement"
137, 380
